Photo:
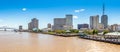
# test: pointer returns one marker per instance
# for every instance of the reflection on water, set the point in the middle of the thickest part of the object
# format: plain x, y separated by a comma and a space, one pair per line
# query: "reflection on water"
33, 42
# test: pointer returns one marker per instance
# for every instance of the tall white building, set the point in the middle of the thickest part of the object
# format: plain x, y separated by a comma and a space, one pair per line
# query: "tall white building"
63, 23
33, 24
94, 22
69, 21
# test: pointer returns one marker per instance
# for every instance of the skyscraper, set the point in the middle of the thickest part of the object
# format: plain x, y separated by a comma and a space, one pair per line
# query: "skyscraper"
63, 23
69, 21
33, 24
104, 18
59, 23
48, 25
94, 22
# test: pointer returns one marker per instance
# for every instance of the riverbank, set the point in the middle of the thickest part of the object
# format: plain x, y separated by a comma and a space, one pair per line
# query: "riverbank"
108, 39
63, 35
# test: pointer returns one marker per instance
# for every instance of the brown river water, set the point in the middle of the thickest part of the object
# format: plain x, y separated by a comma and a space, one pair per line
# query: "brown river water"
36, 42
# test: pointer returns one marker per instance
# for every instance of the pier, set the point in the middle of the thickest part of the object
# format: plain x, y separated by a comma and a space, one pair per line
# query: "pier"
107, 38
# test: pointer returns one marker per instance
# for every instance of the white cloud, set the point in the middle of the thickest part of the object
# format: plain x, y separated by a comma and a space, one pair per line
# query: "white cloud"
80, 10
75, 17
24, 9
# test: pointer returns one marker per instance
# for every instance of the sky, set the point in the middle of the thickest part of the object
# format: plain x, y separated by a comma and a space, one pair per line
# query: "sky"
20, 12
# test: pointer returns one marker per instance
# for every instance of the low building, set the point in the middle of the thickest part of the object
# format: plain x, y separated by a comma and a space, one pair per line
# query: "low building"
46, 29
100, 26
115, 27
83, 26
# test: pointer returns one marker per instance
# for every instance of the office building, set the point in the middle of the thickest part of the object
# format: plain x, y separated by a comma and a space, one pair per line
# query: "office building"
83, 26
94, 22
49, 25
69, 21
33, 24
115, 27
63, 23
59, 24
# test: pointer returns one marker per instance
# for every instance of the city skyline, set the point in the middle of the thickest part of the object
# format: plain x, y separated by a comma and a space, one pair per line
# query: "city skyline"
14, 13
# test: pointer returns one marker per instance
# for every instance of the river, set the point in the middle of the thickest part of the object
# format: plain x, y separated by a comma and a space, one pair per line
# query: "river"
36, 42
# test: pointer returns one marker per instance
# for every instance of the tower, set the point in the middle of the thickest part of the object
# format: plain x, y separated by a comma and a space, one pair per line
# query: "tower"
103, 9
104, 18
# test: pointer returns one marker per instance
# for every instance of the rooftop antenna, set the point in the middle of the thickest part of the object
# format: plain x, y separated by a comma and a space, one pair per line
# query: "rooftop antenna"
103, 8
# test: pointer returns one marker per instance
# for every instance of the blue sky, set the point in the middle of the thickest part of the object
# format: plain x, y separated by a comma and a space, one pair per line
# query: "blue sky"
19, 12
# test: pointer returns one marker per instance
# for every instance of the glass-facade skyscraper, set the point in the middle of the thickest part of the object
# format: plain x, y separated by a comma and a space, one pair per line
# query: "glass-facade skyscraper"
104, 21
104, 18
69, 21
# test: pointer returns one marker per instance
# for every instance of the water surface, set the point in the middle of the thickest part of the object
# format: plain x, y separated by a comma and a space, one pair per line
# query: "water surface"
35, 42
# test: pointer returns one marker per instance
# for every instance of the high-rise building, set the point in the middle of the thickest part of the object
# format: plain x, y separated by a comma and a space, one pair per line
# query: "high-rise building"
48, 25
94, 22
104, 18
20, 28
59, 24
30, 26
80, 26
69, 21
63, 23
33, 24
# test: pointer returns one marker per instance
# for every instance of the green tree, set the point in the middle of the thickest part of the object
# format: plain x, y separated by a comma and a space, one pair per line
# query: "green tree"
87, 32
74, 31
59, 31
105, 32
95, 32
49, 31
39, 30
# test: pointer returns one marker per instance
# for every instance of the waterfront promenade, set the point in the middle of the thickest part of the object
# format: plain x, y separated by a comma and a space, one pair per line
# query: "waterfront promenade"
36, 42
107, 38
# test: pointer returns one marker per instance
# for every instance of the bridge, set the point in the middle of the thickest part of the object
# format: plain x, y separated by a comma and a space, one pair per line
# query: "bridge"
5, 28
